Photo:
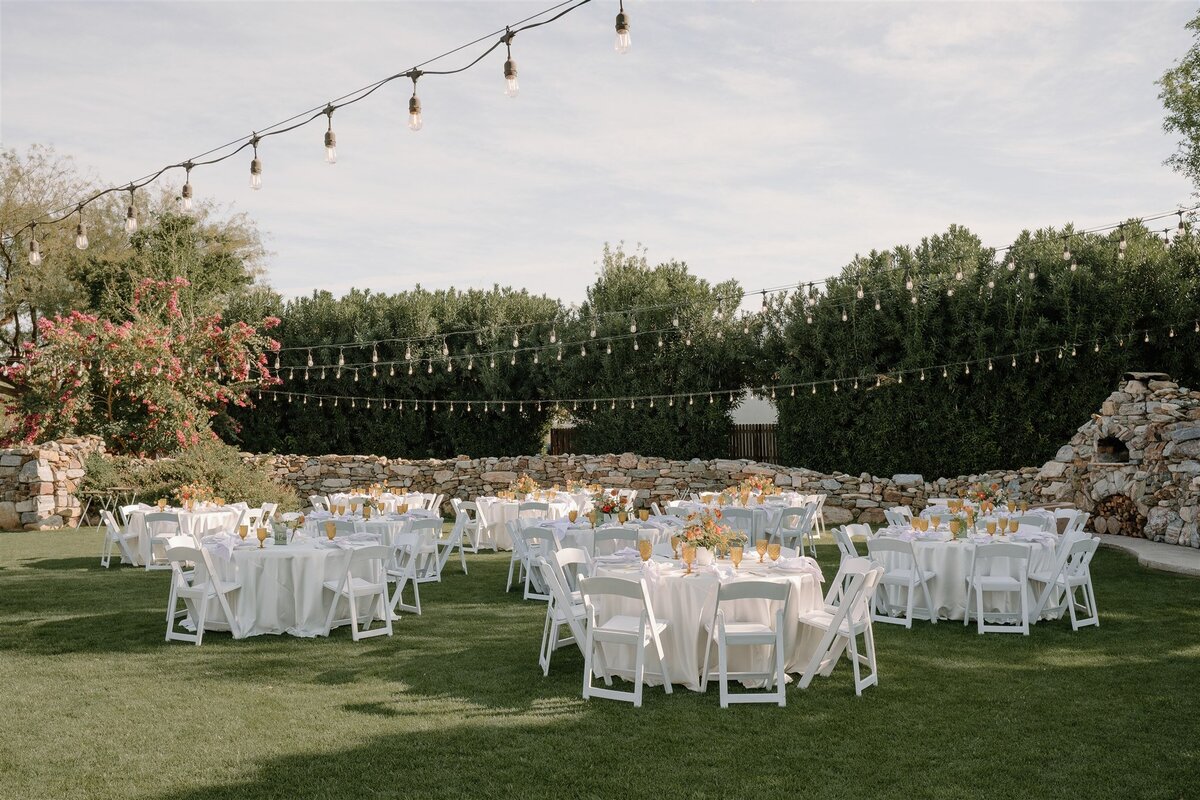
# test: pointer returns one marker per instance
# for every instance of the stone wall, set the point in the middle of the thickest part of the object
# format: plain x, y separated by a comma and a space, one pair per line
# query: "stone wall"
851, 498
1158, 423
38, 483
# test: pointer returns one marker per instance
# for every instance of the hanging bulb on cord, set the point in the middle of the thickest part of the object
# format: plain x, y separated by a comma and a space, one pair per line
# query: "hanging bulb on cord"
131, 222
35, 250
510, 67
81, 238
330, 138
185, 195
415, 122
255, 166
623, 42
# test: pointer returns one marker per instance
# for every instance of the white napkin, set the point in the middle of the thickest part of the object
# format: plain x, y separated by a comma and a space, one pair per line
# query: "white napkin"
221, 545
623, 556
802, 564
1034, 536
980, 538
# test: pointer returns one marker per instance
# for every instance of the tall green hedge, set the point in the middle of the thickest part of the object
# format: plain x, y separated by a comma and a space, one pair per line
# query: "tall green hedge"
1001, 417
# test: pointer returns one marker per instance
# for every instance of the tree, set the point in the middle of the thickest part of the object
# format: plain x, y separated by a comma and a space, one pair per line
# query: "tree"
1180, 96
150, 384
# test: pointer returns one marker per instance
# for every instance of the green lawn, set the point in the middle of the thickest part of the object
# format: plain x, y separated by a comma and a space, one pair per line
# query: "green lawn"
97, 705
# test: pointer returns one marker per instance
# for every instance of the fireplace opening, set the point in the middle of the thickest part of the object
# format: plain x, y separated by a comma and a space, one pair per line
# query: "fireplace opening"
1111, 450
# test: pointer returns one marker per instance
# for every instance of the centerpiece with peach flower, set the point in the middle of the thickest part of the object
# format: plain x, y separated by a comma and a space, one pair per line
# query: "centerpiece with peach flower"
705, 532
524, 485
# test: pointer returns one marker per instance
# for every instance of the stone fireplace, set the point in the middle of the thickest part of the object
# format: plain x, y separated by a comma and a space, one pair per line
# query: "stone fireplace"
1135, 466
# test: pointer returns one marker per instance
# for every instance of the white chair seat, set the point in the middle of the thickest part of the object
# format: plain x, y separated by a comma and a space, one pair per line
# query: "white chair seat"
624, 628
211, 587
998, 583
902, 577
824, 619
745, 631
356, 586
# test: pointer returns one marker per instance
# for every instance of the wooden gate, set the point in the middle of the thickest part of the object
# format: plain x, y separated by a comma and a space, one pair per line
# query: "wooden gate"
561, 440
755, 442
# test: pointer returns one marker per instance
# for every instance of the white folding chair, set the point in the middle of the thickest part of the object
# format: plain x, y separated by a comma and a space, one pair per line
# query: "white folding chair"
638, 631
679, 511
1072, 573
435, 502
980, 580
727, 633
266, 512
795, 525
906, 574
656, 510
446, 545
532, 511
740, 520
196, 588
160, 526
841, 626
536, 542
845, 543
1037, 521
409, 551
516, 560
126, 511
613, 539
1077, 523
818, 514
429, 564
573, 563
895, 519
562, 609
114, 534
904, 512
369, 560
473, 532
318, 501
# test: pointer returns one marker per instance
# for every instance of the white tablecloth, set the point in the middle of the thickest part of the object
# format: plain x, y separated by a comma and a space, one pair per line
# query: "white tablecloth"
196, 524
686, 602
282, 589
494, 514
387, 527
952, 563
583, 535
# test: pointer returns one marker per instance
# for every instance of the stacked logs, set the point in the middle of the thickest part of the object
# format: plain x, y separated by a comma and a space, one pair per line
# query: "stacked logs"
1117, 514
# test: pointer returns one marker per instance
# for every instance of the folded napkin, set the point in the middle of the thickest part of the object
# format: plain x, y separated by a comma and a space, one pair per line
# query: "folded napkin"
722, 572
221, 545
663, 521
623, 556
980, 538
802, 564
1040, 537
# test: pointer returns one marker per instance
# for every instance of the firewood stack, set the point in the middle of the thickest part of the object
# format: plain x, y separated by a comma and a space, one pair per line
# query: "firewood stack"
1117, 514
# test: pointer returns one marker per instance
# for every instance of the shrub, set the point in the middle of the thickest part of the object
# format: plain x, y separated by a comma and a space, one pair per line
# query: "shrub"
211, 463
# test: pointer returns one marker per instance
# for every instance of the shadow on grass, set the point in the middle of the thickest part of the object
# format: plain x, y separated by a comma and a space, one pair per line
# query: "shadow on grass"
62, 564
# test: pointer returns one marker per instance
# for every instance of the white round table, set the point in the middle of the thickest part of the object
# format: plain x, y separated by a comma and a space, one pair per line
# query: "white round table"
282, 588
687, 601
495, 513
386, 527
951, 561
196, 524
583, 535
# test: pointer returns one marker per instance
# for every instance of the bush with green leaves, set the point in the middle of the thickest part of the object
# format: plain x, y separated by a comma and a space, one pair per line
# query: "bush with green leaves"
210, 463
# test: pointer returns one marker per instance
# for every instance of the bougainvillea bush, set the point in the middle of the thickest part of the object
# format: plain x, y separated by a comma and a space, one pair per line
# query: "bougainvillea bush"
155, 383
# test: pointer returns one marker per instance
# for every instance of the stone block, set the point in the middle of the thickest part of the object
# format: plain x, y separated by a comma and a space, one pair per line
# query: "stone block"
498, 477
908, 479
9, 460
1185, 434
10, 518
1052, 469
872, 516
837, 516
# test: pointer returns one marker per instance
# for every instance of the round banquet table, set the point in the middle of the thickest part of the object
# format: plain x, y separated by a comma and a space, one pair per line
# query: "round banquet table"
952, 560
766, 514
388, 528
282, 588
495, 513
688, 601
583, 535
387, 502
196, 524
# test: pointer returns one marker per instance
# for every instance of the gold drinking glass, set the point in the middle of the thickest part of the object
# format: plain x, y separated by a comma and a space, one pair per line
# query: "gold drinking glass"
644, 514
760, 547
595, 516
622, 517
955, 525
773, 551
1011, 506
403, 508
991, 527
645, 549
243, 531
162, 504
366, 512
572, 515
1024, 506
689, 555
735, 554
330, 530
935, 520
674, 546
263, 533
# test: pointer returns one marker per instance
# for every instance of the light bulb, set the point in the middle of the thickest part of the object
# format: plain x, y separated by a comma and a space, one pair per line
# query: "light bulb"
633, 326
35, 251
1074, 265
553, 336
1066, 252
415, 123
330, 147
255, 168
131, 222
1012, 264
185, 195
908, 282
81, 238
510, 77
844, 317
859, 292
958, 276
623, 42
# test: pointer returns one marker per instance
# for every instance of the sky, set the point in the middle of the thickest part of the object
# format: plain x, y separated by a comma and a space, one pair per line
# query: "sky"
767, 141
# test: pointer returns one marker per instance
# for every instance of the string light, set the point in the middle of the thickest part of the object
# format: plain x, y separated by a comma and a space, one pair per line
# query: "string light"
81, 238
255, 166
330, 138
1066, 254
415, 122
623, 42
131, 221
185, 195
35, 250
510, 67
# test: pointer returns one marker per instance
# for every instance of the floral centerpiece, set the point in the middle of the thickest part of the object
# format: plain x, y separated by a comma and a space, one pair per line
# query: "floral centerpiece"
988, 493
757, 483
705, 531
609, 502
577, 487
194, 493
523, 485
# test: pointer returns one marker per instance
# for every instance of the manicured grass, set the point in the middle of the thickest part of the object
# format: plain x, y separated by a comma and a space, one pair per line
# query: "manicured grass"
97, 705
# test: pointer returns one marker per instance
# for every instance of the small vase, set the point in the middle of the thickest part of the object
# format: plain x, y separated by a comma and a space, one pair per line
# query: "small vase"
704, 557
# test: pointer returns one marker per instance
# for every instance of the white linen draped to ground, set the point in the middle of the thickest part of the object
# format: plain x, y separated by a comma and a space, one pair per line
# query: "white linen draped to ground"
196, 524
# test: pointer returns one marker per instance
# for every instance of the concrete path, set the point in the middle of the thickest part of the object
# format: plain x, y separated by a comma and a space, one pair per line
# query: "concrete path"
1157, 555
